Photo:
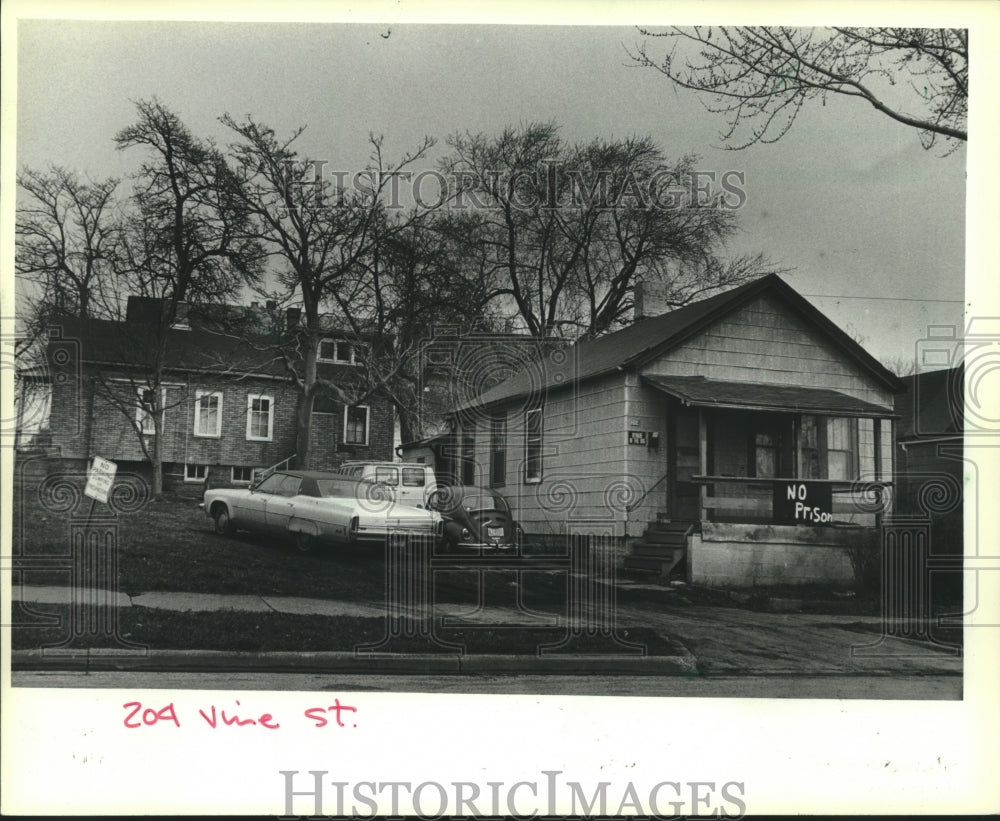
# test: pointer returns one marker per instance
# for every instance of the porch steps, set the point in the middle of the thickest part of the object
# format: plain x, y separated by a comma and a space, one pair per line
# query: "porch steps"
661, 548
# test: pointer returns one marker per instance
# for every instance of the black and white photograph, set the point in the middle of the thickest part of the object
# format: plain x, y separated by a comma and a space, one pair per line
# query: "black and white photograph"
565, 410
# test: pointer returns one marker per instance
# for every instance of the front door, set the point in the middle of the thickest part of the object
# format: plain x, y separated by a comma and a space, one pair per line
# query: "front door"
683, 462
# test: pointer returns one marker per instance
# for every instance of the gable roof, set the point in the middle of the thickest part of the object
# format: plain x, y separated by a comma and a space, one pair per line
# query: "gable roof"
649, 338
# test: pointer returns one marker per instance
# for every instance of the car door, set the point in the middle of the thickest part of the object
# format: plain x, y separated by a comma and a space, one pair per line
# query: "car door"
280, 504
252, 507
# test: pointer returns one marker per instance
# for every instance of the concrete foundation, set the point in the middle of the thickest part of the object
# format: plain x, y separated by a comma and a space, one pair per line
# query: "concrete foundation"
746, 555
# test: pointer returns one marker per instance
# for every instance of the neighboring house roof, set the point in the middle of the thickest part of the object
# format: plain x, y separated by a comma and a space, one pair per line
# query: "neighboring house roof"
933, 405
649, 338
698, 391
129, 345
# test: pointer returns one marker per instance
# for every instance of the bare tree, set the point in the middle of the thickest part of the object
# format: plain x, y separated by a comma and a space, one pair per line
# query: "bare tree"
568, 231
323, 237
65, 230
760, 78
184, 240
426, 293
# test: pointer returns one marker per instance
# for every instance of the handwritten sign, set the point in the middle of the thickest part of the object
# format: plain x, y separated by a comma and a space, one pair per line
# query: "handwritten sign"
803, 503
100, 477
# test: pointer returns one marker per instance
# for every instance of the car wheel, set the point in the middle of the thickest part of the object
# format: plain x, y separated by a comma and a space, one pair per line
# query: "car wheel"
305, 542
223, 524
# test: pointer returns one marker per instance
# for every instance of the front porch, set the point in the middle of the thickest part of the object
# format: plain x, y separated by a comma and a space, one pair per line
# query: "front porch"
763, 484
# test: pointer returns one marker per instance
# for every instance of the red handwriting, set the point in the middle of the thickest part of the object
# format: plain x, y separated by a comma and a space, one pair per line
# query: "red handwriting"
215, 717
149, 715
318, 714
264, 720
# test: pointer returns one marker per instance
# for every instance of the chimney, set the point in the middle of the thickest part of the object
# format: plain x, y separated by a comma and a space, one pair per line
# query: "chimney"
292, 316
650, 299
271, 305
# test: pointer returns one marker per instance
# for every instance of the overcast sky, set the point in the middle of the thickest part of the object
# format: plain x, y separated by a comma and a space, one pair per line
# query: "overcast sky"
870, 224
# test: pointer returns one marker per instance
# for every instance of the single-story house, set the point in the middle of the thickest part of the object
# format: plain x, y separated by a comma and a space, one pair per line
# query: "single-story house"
745, 433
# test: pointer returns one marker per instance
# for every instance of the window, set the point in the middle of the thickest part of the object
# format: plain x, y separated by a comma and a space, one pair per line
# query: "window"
498, 451
469, 457
337, 350
771, 445
356, 425
260, 417
413, 477
208, 413
809, 465
765, 455
195, 473
841, 446
280, 484
828, 447
242, 475
533, 446
145, 408
387, 476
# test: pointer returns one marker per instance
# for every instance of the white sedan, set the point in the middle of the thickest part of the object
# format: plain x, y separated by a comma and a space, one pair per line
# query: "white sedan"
316, 507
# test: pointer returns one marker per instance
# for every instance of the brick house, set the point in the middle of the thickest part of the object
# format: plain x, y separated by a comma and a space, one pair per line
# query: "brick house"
685, 434
228, 405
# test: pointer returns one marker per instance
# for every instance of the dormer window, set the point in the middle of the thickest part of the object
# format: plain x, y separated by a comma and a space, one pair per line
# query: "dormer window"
337, 351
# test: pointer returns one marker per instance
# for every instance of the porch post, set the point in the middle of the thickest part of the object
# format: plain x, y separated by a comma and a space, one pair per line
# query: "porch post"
703, 470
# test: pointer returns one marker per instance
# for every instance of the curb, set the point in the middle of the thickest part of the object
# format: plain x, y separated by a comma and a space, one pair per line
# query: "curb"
105, 660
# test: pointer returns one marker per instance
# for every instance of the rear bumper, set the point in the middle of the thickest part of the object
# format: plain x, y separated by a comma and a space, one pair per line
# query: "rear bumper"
487, 546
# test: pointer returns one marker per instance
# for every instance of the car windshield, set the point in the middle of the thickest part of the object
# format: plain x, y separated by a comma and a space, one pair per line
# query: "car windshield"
483, 502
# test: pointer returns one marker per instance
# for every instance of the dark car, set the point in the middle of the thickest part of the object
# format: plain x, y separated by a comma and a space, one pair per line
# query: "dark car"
475, 517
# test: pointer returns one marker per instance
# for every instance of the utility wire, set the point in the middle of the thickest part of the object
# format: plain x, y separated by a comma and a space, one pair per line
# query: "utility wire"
888, 298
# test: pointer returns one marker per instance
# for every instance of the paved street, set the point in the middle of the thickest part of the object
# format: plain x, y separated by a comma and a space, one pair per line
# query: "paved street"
919, 687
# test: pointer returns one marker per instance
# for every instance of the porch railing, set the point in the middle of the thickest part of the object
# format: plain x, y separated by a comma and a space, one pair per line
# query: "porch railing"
731, 498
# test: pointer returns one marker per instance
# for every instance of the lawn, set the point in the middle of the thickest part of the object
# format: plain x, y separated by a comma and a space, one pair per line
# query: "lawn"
170, 545
272, 632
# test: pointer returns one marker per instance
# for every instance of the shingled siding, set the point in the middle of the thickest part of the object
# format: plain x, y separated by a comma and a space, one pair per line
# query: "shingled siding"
765, 342
583, 461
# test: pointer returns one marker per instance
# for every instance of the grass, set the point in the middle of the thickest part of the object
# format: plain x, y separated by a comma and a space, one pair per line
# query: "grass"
170, 545
255, 632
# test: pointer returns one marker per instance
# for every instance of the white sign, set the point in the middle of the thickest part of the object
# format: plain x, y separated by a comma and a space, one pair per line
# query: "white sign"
100, 477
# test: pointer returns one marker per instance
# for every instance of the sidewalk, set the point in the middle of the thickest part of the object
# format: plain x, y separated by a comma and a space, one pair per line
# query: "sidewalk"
211, 602
713, 641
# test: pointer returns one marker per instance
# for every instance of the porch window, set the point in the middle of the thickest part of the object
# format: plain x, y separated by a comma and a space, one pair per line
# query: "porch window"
498, 451
533, 446
208, 413
766, 455
828, 447
841, 448
260, 417
469, 457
